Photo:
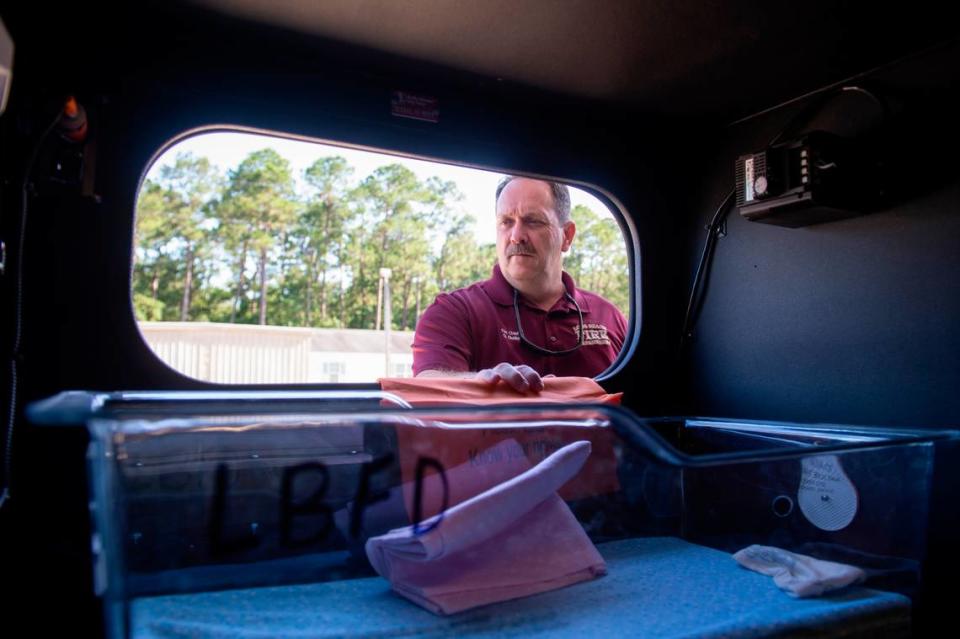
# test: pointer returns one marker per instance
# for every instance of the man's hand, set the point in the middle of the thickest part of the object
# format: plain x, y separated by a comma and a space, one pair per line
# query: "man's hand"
521, 378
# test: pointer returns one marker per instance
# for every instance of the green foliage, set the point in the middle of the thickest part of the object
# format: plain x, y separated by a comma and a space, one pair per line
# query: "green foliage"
597, 259
246, 247
257, 210
176, 218
462, 260
146, 308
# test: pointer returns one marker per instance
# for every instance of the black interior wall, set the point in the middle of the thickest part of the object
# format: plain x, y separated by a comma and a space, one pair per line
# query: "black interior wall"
142, 87
852, 321
847, 322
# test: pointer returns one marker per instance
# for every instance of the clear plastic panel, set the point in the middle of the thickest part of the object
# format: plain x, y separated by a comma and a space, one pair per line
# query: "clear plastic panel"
460, 508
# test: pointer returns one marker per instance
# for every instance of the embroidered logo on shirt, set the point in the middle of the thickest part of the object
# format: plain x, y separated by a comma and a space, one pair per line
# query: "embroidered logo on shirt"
593, 334
513, 336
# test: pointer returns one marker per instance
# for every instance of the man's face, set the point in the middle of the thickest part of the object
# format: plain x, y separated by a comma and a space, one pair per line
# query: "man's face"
530, 239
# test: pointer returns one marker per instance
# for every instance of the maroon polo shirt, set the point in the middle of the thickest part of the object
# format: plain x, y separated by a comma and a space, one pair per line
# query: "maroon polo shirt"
475, 328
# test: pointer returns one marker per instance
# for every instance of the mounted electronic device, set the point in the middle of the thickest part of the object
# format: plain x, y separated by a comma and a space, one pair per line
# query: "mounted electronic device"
817, 177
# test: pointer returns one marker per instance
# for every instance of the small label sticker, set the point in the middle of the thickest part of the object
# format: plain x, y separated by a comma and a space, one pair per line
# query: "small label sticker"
827, 497
415, 107
748, 179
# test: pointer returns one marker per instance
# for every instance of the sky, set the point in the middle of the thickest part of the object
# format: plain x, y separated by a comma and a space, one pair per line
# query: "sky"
226, 150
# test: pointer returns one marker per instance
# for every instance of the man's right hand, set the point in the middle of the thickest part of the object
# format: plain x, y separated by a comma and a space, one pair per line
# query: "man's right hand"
521, 378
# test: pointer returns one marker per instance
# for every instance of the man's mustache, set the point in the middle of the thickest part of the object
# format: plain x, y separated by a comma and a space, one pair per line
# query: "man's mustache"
518, 249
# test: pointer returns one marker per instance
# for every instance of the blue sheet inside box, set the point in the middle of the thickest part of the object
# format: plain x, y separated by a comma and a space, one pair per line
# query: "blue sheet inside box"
247, 514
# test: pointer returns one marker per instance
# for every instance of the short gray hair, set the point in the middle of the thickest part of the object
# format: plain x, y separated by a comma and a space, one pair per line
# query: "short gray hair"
560, 192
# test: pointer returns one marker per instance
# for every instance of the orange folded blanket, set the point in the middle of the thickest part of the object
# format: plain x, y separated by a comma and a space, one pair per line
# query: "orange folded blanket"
454, 444
456, 391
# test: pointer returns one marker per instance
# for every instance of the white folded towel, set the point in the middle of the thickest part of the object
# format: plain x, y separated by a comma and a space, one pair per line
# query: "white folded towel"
798, 575
515, 539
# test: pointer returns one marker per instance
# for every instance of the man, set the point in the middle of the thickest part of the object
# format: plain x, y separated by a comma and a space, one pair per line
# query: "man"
528, 320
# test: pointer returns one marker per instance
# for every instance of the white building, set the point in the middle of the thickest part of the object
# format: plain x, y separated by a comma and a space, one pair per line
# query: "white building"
249, 354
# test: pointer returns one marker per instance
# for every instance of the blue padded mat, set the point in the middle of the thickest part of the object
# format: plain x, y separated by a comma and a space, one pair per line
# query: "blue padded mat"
656, 587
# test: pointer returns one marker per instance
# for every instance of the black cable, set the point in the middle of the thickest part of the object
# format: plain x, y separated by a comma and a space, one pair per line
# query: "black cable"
18, 310
814, 106
699, 288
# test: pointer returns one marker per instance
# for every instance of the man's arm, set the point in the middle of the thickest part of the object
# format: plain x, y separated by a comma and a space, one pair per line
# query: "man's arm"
521, 378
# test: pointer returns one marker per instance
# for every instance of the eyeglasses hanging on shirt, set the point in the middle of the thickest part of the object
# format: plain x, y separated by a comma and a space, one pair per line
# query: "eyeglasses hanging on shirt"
541, 349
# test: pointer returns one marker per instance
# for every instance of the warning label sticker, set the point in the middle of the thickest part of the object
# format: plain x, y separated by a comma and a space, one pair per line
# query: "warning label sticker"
416, 107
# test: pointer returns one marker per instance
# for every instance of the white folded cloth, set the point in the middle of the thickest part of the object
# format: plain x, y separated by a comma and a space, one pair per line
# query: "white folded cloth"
515, 539
488, 468
798, 575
